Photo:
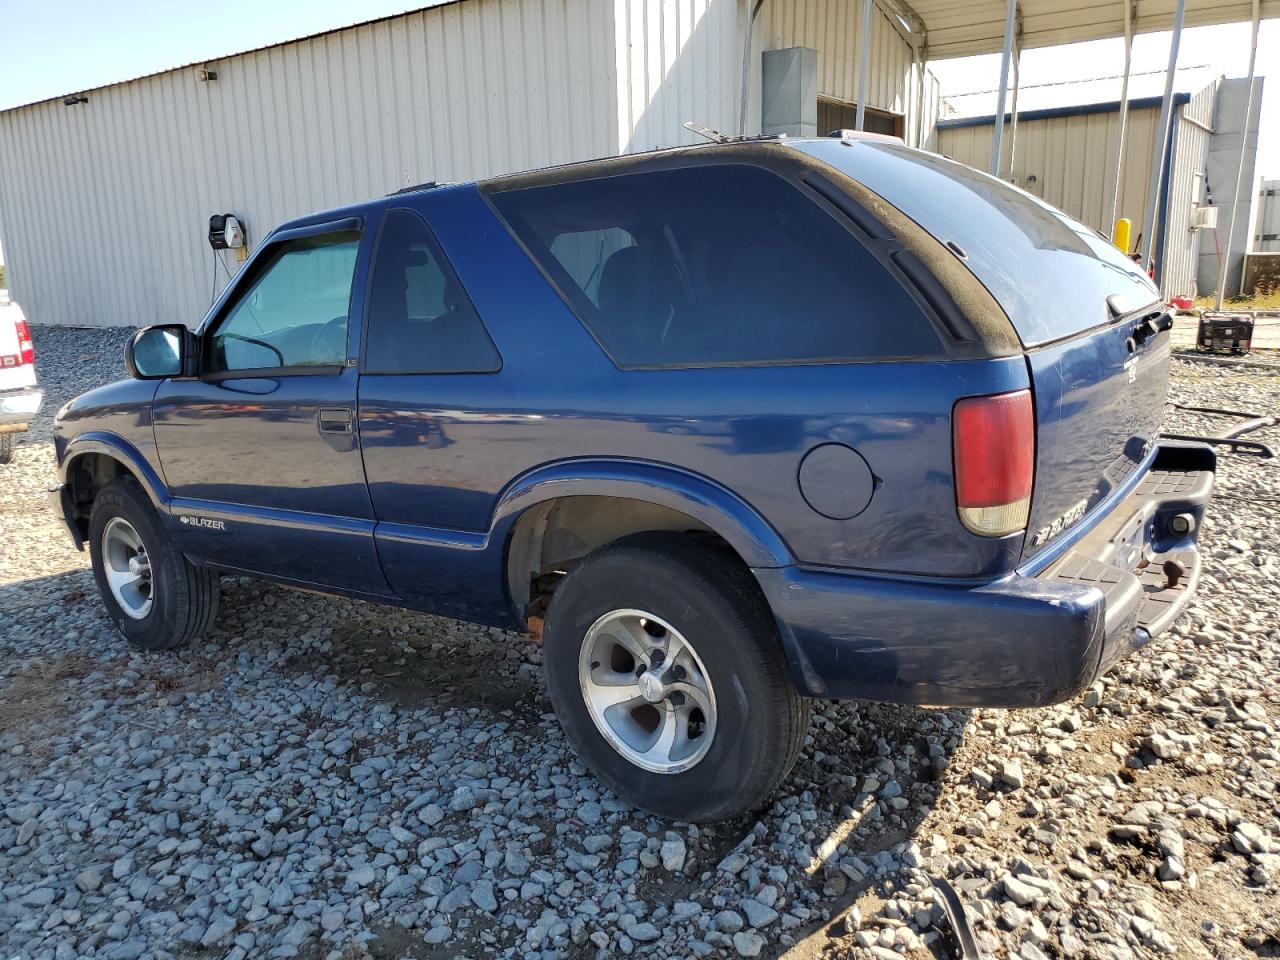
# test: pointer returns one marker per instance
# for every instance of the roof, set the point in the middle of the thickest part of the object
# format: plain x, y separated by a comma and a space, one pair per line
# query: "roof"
962, 28
1076, 111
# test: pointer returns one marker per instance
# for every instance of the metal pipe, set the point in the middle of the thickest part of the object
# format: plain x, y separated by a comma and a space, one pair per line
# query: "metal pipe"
915, 137
1162, 140
1005, 56
1124, 112
864, 64
1013, 110
746, 69
1244, 145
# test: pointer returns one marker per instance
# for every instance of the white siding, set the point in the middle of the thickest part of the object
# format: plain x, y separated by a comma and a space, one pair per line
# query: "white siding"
676, 60
833, 28
104, 206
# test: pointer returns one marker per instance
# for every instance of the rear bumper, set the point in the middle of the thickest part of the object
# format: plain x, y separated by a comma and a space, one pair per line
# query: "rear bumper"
1021, 641
18, 408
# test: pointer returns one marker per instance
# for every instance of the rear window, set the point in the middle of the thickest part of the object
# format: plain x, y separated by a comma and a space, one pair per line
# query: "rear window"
1050, 273
714, 265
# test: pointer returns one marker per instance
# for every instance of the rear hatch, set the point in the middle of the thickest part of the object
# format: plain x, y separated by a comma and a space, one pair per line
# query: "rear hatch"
1089, 319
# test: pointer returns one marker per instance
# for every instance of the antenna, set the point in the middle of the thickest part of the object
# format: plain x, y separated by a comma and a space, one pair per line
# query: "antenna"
715, 136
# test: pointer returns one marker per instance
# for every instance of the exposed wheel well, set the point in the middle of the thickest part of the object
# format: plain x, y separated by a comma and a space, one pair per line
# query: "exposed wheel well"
89, 473
551, 537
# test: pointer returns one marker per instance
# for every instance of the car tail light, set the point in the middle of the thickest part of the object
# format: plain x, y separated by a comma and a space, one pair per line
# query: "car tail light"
993, 440
26, 348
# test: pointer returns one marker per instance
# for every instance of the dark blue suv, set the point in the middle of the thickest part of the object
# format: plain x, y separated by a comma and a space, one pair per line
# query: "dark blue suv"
744, 424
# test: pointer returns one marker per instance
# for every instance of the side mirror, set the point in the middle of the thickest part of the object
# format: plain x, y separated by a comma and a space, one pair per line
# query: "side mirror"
155, 353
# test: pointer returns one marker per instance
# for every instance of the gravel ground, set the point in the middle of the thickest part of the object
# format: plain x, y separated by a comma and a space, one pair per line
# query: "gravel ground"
326, 778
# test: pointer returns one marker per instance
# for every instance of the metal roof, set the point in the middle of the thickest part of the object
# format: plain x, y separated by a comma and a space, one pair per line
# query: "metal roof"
1048, 113
963, 28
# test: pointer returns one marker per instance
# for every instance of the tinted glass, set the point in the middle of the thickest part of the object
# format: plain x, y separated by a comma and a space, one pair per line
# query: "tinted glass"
294, 314
715, 265
420, 318
1052, 274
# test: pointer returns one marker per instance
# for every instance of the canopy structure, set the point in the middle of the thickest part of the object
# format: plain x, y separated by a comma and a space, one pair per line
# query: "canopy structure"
970, 27
943, 29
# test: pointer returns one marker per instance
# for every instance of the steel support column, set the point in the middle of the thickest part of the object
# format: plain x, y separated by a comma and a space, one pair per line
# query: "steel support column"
1162, 139
746, 67
1244, 146
1118, 166
1005, 57
1013, 110
864, 64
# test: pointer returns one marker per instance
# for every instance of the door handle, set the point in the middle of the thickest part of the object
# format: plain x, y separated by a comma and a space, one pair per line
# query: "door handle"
334, 420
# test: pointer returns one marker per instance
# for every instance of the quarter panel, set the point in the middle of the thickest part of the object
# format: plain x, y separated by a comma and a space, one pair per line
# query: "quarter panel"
439, 450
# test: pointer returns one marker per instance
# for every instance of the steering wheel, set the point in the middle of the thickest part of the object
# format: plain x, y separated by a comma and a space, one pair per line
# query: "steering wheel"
331, 340
257, 343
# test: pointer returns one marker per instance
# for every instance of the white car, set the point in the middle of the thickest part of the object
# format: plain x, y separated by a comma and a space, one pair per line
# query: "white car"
19, 395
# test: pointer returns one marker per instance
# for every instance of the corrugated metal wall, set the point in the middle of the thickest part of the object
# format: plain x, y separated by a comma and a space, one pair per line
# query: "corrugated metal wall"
676, 60
833, 28
104, 205
1266, 237
1071, 160
1068, 161
1181, 256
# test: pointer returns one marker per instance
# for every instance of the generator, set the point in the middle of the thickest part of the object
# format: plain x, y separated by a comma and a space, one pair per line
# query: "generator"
1225, 333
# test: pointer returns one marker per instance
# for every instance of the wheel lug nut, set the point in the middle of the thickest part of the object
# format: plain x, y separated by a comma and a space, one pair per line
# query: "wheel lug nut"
640, 670
657, 657
677, 699
678, 672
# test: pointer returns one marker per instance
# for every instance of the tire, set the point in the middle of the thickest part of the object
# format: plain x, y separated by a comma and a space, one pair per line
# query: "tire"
690, 593
178, 602
6, 447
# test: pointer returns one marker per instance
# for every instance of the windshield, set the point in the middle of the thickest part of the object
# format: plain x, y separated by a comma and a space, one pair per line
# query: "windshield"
1050, 273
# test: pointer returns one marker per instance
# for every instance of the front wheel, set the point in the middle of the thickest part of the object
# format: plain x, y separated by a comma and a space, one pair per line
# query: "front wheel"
156, 598
665, 669
6, 447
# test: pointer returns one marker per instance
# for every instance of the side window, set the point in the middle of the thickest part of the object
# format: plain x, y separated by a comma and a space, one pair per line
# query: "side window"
708, 265
294, 313
420, 320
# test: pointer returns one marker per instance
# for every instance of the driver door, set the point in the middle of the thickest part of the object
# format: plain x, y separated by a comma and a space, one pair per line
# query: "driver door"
261, 450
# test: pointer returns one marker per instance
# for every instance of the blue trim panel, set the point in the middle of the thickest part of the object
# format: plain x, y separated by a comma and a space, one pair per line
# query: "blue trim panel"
1048, 113
1017, 642
123, 451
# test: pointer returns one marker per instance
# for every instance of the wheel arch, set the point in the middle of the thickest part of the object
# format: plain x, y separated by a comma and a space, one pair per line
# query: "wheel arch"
561, 512
93, 460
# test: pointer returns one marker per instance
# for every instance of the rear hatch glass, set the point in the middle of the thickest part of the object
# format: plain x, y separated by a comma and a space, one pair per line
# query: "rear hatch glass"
1050, 273
1099, 381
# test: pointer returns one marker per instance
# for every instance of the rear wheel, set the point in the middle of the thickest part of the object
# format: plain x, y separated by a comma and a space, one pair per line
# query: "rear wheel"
666, 671
156, 598
6, 447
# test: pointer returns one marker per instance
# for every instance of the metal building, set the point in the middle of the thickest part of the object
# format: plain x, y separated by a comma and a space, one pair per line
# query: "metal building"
1266, 235
105, 196
1063, 155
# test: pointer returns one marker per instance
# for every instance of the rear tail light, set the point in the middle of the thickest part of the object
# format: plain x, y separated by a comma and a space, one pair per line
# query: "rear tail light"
26, 348
993, 440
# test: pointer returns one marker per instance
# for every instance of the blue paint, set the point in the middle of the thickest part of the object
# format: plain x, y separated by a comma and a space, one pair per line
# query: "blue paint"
417, 504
